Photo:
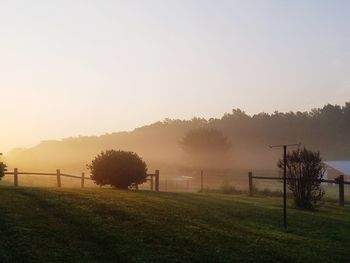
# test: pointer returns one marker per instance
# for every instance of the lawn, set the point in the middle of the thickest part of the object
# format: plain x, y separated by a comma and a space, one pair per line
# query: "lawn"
106, 225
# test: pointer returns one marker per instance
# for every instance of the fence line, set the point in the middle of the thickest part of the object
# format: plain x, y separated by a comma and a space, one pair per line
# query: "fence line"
153, 178
58, 175
338, 180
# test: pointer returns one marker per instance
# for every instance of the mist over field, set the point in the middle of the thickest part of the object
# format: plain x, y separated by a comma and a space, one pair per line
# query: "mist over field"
325, 129
175, 131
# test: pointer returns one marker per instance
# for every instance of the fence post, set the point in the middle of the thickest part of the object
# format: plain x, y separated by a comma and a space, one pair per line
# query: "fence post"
157, 180
166, 183
15, 177
58, 173
82, 180
341, 190
151, 182
201, 181
250, 177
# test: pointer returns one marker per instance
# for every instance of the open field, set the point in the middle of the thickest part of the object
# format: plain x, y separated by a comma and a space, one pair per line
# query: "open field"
106, 225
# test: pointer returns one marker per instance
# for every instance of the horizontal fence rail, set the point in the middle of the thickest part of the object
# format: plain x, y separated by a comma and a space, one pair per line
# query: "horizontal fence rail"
30, 173
152, 178
296, 179
74, 176
339, 181
49, 174
58, 175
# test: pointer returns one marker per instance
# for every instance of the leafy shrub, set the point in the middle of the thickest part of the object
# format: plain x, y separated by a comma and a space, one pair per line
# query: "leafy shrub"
118, 168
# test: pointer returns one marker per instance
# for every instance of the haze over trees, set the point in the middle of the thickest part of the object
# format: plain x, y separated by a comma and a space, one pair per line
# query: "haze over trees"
325, 129
206, 146
204, 141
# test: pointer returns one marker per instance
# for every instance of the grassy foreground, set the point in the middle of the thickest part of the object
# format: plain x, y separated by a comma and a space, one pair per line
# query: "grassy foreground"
104, 225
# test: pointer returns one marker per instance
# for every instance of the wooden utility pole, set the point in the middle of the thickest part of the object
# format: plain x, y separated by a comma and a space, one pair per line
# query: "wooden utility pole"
285, 186
284, 146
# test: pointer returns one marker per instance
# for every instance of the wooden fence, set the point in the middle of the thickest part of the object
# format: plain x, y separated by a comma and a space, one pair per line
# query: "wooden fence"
152, 178
154, 181
339, 181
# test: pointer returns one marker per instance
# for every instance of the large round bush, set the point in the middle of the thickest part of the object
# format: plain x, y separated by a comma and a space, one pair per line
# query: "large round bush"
118, 168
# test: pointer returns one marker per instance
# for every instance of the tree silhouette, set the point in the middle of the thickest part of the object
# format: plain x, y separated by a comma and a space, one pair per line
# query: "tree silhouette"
206, 148
118, 168
326, 129
205, 140
304, 172
3, 169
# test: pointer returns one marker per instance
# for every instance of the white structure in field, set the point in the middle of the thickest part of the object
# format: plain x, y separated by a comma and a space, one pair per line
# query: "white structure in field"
336, 168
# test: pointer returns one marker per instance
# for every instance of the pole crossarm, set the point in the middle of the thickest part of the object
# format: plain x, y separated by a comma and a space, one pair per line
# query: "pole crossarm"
285, 145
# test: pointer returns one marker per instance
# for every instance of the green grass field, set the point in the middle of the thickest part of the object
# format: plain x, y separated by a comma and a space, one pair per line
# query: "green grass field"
105, 225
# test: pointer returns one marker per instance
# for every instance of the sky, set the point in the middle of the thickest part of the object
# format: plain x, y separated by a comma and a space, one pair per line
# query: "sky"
90, 67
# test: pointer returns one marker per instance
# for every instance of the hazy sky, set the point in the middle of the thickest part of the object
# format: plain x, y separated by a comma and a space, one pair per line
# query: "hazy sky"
94, 66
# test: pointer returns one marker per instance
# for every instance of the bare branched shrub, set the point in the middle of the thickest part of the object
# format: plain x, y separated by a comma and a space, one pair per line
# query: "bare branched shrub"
304, 172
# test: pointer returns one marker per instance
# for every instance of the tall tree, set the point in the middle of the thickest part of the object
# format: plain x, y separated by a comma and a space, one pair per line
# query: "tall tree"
206, 147
205, 140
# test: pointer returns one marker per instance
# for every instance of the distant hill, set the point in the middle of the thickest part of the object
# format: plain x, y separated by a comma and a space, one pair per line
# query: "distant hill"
326, 129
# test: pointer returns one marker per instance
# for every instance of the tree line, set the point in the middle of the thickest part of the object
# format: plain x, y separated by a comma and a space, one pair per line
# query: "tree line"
323, 129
